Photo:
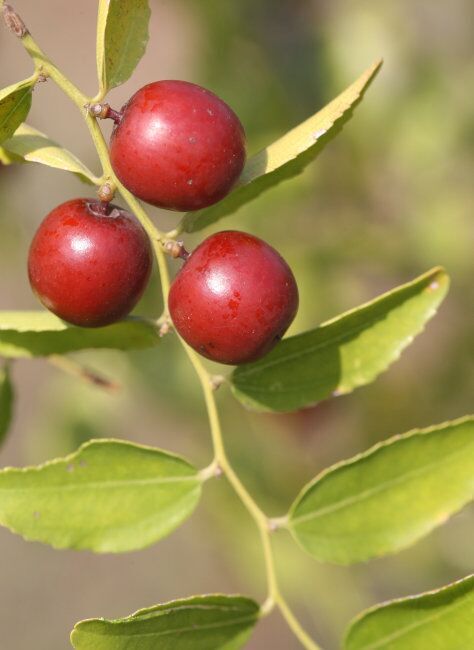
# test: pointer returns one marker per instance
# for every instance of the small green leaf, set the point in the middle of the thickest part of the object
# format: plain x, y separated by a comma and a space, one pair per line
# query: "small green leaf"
288, 156
32, 145
109, 496
342, 354
198, 623
389, 497
122, 36
40, 333
6, 401
441, 619
15, 104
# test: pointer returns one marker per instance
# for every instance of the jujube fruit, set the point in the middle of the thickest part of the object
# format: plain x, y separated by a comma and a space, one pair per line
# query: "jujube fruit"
234, 298
89, 268
177, 145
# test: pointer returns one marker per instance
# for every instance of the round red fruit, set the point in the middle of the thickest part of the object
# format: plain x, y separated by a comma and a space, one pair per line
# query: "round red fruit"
177, 146
234, 298
87, 267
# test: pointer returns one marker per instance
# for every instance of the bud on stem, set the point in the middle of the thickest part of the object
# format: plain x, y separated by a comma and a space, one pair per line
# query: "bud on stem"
176, 249
106, 192
13, 21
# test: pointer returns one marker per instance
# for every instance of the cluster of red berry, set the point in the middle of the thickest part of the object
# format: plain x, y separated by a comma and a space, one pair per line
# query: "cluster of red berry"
177, 146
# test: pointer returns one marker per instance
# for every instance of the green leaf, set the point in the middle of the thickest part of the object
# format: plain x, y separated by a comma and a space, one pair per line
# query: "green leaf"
32, 145
122, 36
441, 619
40, 333
387, 498
15, 104
109, 496
6, 401
288, 156
198, 623
342, 354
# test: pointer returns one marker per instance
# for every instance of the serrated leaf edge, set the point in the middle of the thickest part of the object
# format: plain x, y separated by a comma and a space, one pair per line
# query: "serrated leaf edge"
191, 602
403, 599
436, 271
368, 453
96, 442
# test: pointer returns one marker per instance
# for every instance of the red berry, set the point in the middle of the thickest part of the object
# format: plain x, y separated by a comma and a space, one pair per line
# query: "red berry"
89, 268
178, 146
234, 298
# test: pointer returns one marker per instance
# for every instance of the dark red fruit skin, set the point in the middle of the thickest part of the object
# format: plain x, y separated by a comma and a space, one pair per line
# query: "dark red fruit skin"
87, 268
178, 146
234, 298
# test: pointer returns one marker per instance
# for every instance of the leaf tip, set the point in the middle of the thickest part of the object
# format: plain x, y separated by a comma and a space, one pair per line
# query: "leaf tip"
439, 279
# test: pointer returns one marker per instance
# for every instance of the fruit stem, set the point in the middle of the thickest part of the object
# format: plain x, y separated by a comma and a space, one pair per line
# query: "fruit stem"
116, 116
102, 207
158, 239
44, 65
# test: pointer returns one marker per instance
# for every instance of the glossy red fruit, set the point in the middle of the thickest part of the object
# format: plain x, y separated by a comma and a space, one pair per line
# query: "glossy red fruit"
177, 146
234, 298
89, 268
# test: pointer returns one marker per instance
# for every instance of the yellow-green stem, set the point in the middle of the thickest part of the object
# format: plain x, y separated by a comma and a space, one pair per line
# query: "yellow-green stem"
295, 625
47, 67
274, 598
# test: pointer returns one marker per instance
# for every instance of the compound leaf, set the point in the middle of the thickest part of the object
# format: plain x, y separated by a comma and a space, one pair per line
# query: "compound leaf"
349, 351
437, 619
202, 623
288, 156
40, 333
29, 144
15, 104
122, 36
389, 497
110, 496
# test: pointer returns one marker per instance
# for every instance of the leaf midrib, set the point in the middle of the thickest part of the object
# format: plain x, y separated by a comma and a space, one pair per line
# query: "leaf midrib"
16, 105
59, 156
113, 79
408, 628
94, 485
251, 618
366, 494
312, 349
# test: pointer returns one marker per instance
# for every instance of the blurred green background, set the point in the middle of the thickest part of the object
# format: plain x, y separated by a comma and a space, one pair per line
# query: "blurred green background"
389, 198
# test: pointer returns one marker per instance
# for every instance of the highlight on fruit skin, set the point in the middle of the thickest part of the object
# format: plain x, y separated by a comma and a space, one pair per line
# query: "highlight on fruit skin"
177, 146
234, 298
87, 265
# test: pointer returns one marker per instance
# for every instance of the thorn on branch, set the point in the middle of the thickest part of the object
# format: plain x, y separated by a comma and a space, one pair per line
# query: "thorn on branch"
13, 21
